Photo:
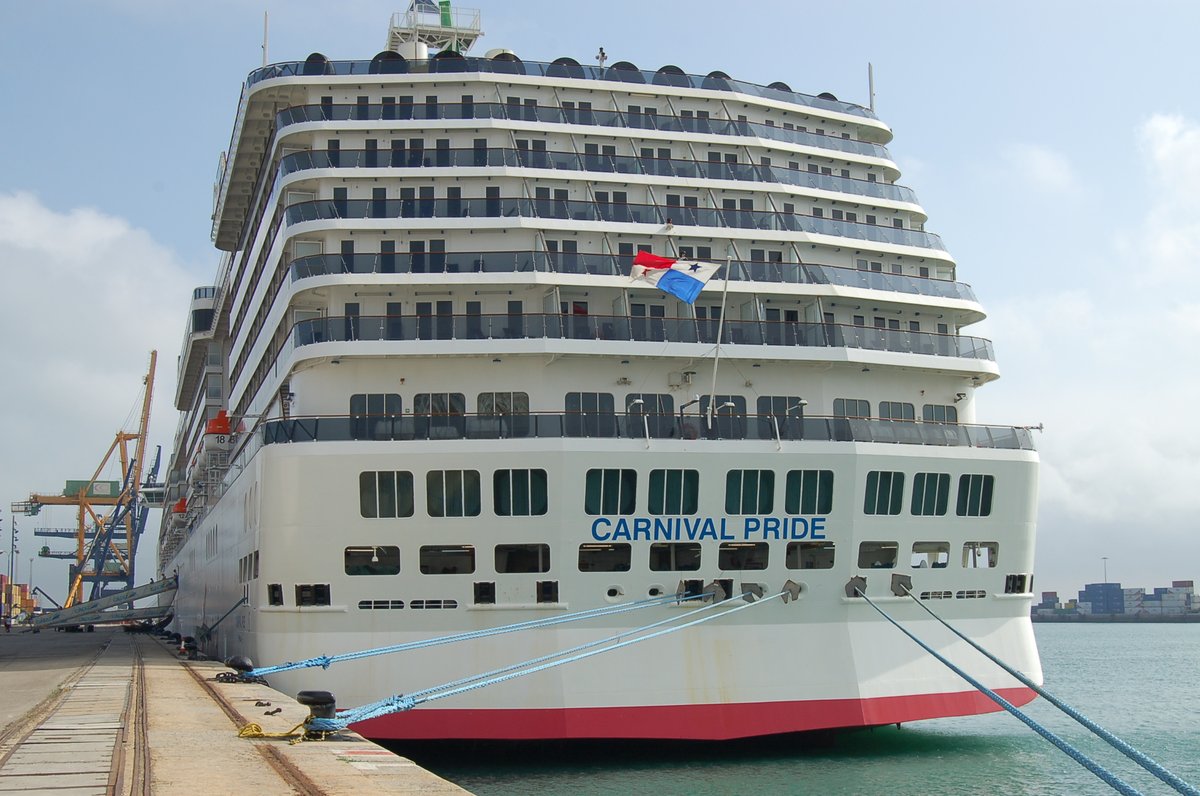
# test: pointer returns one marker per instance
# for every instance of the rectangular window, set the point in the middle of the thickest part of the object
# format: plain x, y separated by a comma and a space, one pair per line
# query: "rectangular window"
604, 557
851, 407
809, 492
275, 594
590, 414
935, 555
749, 492
975, 495
885, 492
931, 492
373, 412
895, 410
743, 555
674, 491
877, 555
519, 493
658, 410
447, 559
674, 557
503, 403
517, 558
939, 413
385, 494
372, 560
452, 493
980, 555
312, 594
809, 555
610, 492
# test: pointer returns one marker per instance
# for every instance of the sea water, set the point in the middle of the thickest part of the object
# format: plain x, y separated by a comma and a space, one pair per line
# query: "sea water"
1141, 682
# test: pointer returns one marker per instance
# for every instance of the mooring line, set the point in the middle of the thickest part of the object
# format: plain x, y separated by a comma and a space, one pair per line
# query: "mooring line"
1142, 759
1112, 780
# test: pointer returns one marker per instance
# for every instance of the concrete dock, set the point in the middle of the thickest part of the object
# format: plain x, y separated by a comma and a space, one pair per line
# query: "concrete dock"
118, 713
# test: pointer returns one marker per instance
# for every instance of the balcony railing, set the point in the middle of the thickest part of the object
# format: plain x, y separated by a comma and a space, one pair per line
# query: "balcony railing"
630, 77
553, 115
619, 212
633, 329
610, 265
635, 425
571, 161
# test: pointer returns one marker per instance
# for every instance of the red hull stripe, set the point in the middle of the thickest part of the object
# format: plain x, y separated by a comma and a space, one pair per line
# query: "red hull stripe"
682, 722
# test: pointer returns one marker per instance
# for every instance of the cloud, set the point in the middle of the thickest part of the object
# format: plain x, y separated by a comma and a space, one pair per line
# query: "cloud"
1107, 364
87, 296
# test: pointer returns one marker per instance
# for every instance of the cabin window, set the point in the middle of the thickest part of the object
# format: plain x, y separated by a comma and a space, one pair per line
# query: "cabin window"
885, 492
452, 493
275, 594
808, 492
519, 493
372, 560
385, 493
447, 559
939, 413
877, 555
614, 557
851, 407
809, 555
975, 495
743, 555
590, 414
931, 492
674, 491
980, 555
371, 415
610, 492
895, 410
935, 555
512, 558
749, 491
674, 557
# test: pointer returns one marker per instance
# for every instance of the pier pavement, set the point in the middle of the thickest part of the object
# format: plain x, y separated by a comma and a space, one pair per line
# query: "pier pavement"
117, 713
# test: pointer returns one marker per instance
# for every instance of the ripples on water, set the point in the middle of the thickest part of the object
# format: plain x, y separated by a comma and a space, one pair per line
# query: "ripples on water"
1141, 682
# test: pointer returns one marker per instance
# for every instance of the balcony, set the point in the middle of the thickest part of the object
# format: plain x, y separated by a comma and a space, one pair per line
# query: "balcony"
570, 161
564, 68
616, 212
634, 329
554, 115
609, 265
633, 425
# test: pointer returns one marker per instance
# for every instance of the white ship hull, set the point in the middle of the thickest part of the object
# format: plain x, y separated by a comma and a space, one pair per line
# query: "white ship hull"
822, 661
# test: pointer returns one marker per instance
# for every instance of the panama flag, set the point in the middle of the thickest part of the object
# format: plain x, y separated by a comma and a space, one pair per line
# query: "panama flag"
683, 279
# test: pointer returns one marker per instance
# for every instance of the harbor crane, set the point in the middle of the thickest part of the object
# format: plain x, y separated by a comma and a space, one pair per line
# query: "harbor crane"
106, 543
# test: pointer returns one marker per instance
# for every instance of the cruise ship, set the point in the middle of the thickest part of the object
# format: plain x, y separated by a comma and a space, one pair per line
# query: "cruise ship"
423, 396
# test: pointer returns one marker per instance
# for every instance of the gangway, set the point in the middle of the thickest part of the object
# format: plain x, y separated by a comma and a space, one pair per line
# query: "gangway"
94, 611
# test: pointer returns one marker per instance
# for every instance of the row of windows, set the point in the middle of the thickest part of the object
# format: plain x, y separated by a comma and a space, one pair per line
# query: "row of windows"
663, 557
607, 492
930, 494
784, 407
525, 493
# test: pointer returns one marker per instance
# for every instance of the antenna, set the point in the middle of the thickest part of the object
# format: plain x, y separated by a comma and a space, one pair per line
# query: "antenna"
264, 44
871, 84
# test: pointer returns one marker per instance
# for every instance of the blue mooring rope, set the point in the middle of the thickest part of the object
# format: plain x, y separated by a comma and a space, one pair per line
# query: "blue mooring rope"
325, 661
1112, 780
1124, 748
402, 702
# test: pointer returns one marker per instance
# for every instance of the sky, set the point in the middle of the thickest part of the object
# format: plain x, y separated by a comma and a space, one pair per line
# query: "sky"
1055, 146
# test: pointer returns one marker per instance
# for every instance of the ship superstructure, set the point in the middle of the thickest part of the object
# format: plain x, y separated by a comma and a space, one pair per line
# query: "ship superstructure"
424, 396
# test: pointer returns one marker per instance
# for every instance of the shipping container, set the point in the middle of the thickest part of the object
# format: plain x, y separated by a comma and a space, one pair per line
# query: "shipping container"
98, 489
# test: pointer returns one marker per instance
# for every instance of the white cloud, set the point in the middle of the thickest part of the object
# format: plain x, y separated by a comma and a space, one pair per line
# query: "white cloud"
86, 298
1108, 365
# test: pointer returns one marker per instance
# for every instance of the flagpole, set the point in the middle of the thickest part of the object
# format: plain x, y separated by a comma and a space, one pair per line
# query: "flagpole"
712, 395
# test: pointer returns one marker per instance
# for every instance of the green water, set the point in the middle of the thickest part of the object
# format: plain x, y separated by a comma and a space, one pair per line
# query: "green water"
1142, 682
